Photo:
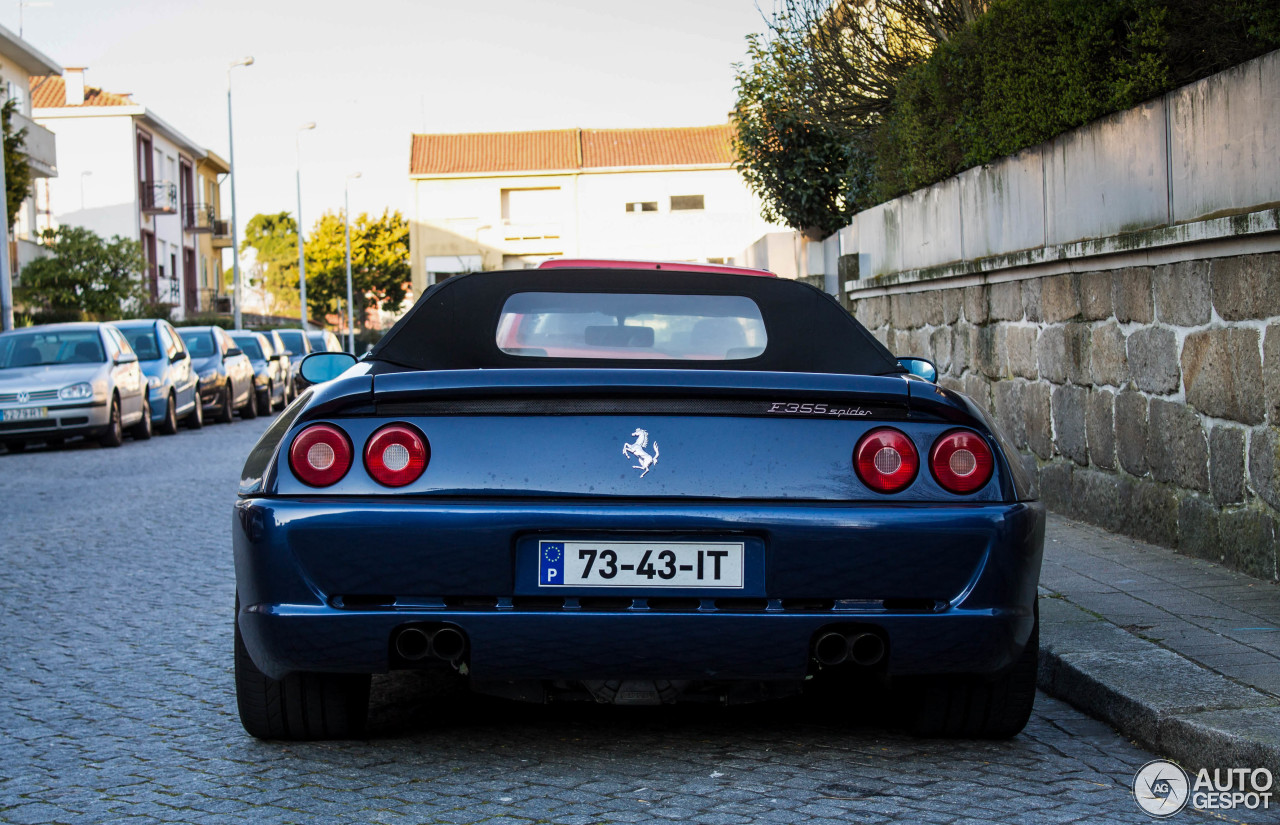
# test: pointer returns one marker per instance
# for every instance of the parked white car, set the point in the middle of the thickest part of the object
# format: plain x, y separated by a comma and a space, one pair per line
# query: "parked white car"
64, 380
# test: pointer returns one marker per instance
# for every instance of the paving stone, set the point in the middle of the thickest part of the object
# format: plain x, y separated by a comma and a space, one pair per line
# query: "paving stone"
1153, 359
119, 704
1222, 372
1182, 293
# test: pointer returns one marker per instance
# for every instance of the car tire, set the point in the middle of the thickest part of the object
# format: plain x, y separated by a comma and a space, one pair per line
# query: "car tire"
195, 418
169, 425
250, 409
976, 707
227, 413
114, 434
142, 430
301, 706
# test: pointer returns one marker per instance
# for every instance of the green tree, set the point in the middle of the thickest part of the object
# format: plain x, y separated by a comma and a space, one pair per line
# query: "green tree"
85, 272
809, 174
17, 174
274, 239
379, 263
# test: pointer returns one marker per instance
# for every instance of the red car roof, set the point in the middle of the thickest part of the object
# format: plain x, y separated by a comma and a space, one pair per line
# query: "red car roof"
677, 266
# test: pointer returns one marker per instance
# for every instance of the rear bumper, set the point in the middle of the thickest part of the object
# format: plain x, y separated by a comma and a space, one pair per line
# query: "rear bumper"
62, 422
324, 585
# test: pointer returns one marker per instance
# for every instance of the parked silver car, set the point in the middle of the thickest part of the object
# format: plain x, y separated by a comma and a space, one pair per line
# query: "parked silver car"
226, 376
64, 380
171, 377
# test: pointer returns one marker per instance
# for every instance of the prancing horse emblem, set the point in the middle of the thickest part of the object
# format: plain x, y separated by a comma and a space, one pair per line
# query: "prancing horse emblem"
636, 450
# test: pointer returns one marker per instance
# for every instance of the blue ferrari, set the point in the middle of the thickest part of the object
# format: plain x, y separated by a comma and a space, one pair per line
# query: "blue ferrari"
634, 486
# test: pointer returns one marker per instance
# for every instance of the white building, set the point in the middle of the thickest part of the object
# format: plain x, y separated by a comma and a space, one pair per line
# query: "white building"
127, 172
512, 199
18, 61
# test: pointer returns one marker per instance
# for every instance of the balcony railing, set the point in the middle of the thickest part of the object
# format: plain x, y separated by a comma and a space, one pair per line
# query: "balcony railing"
199, 217
221, 233
160, 197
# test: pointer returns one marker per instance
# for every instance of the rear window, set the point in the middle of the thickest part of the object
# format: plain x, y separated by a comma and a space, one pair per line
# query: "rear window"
293, 341
249, 345
631, 326
200, 344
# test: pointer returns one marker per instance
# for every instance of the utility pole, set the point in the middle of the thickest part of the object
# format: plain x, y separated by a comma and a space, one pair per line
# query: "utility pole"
302, 258
231, 162
346, 232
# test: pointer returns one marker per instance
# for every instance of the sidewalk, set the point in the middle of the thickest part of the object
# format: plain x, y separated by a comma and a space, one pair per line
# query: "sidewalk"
1178, 654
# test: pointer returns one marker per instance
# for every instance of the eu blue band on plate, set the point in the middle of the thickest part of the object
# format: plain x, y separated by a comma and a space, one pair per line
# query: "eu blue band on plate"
551, 562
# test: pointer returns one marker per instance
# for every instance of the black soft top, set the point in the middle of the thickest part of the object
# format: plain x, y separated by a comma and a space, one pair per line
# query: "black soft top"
454, 324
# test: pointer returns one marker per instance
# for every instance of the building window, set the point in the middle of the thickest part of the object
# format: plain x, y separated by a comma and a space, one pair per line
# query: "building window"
684, 202
643, 206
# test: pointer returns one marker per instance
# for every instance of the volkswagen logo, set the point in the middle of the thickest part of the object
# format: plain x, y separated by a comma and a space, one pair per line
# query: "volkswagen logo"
24, 397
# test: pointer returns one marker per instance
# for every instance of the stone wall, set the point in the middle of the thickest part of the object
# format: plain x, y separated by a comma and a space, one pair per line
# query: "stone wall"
1146, 400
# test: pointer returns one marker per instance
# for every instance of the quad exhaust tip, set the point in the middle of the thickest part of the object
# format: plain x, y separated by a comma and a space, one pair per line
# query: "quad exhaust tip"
413, 644
862, 648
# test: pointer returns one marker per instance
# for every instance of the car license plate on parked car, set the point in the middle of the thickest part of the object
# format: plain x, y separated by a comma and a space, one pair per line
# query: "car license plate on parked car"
26, 413
640, 564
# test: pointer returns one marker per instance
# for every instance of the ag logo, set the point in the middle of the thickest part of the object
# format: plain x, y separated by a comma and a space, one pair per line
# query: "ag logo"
1161, 788
636, 450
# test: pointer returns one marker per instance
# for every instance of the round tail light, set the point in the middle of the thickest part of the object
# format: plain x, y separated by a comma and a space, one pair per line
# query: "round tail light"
886, 460
396, 455
961, 461
320, 455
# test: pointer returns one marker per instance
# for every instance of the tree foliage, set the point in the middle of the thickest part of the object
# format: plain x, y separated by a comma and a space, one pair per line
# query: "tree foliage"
17, 174
812, 92
273, 238
846, 103
84, 272
379, 263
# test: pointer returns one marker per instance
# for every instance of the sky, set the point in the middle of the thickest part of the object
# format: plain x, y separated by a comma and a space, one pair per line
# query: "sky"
372, 72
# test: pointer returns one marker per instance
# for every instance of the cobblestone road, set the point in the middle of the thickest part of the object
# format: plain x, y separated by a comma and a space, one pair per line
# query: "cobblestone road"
117, 701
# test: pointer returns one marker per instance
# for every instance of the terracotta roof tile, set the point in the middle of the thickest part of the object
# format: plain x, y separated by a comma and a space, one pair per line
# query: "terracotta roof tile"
569, 149
51, 93
698, 145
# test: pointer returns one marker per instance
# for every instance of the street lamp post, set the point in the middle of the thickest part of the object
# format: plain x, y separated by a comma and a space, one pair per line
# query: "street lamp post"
302, 258
235, 242
346, 232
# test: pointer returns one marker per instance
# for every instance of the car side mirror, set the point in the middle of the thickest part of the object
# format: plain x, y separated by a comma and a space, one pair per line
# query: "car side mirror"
921, 368
319, 367
179, 356
126, 358
234, 351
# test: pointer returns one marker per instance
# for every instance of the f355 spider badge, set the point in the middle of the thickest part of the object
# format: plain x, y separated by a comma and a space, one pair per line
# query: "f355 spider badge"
636, 450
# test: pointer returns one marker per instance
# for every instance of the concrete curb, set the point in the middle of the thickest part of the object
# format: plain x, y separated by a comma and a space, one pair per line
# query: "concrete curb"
1162, 701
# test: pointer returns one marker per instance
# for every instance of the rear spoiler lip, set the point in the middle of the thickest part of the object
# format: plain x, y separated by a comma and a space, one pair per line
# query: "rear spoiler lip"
541, 382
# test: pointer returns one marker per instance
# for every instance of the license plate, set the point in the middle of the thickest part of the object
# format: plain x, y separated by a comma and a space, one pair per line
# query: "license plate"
26, 414
640, 564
